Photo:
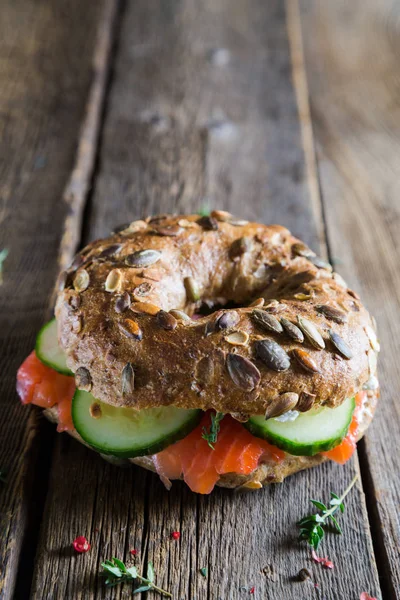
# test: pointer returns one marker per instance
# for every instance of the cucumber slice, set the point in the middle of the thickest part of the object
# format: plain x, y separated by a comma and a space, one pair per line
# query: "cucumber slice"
48, 351
317, 430
126, 432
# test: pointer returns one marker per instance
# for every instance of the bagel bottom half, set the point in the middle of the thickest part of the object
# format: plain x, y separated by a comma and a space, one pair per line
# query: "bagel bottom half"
265, 473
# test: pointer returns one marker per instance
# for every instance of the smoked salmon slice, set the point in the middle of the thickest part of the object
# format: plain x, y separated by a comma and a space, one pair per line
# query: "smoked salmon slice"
43, 386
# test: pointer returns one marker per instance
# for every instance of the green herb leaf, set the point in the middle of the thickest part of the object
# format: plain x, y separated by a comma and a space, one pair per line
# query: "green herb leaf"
142, 588
211, 434
312, 526
204, 571
116, 572
150, 572
119, 564
133, 572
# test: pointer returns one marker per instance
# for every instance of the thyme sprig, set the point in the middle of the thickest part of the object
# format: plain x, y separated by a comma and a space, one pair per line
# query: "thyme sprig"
211, 434
116, 572
312, 526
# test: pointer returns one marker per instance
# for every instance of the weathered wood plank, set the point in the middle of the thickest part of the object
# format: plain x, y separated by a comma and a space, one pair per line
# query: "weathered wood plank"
45, 72
201, 111
352, 56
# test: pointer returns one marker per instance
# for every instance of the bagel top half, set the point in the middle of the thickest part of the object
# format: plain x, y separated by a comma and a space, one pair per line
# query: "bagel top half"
307, 340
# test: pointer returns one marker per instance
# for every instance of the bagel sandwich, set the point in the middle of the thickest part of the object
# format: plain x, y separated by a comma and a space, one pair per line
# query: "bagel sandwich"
206, 348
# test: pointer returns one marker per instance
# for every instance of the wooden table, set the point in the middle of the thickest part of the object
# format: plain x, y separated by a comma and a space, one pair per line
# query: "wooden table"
277, 112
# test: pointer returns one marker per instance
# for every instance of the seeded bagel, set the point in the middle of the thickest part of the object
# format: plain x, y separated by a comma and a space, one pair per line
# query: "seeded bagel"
295, 330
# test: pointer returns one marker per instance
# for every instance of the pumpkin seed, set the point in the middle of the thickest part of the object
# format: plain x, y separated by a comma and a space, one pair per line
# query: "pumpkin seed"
259, 303
166, 320
339, 280
128, 379
300, 249
110, 251
240, 247
168, 230
320, 263
208, 223
305, 402
131, 329
281, 404
292, 330
243, 372
122, 303
272, 355
266, 321
81, 280
83, 379
179, 315
113, 281
373, 340
62, 280
227, 320
340, 345
145, 307
237, 338
95, 410
311, 332
221, 215
143, 289
305, 360
334, 314
192, 290
143, 258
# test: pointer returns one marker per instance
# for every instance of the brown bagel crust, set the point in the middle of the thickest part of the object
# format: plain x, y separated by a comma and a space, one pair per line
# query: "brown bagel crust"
224, 261
264, 474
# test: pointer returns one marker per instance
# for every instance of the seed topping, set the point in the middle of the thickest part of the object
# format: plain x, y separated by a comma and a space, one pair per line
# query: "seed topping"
168, 230
311, 332
272, 355
340, 345
266, 321
81, 280
145, 307
113, 281
237, 338
179, 315
305, 360
305, 402
131, 329
243, 372
208, 223
300, 249
373, 340
331, 313
110, 251
143, 258
258, 303
122, 303
281, 404
227, 320
192, 290
239, 247
143, 289
166, 320
83, 379
128, 379
292, 330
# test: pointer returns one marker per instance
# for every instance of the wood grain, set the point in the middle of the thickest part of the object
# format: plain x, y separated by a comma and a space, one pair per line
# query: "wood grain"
201, 110
354, 90
45, 71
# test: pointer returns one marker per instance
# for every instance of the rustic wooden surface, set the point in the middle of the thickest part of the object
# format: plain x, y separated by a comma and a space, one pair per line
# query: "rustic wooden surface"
207, 105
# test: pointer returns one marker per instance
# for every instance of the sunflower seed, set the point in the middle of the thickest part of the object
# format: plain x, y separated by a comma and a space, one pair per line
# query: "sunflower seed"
192, 290
143, 289
305, 402
300, 249
145, 307
122, 303
81, 280
143, 258
237, 338
281, 404
83, 379
227, 320
272, 355
221, 215
274, 306
304, 359
240, 247
243, 372
179, 315
339, 280
95, 410
373, 340
340, 344
266, 321
319, 263
292, 330
334, 314
259, 303
204, 371
208, 223
166, 320
62, 280
128, 379
169, 230
311, 332
113, 281
120, 228
110, 251
131, 329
